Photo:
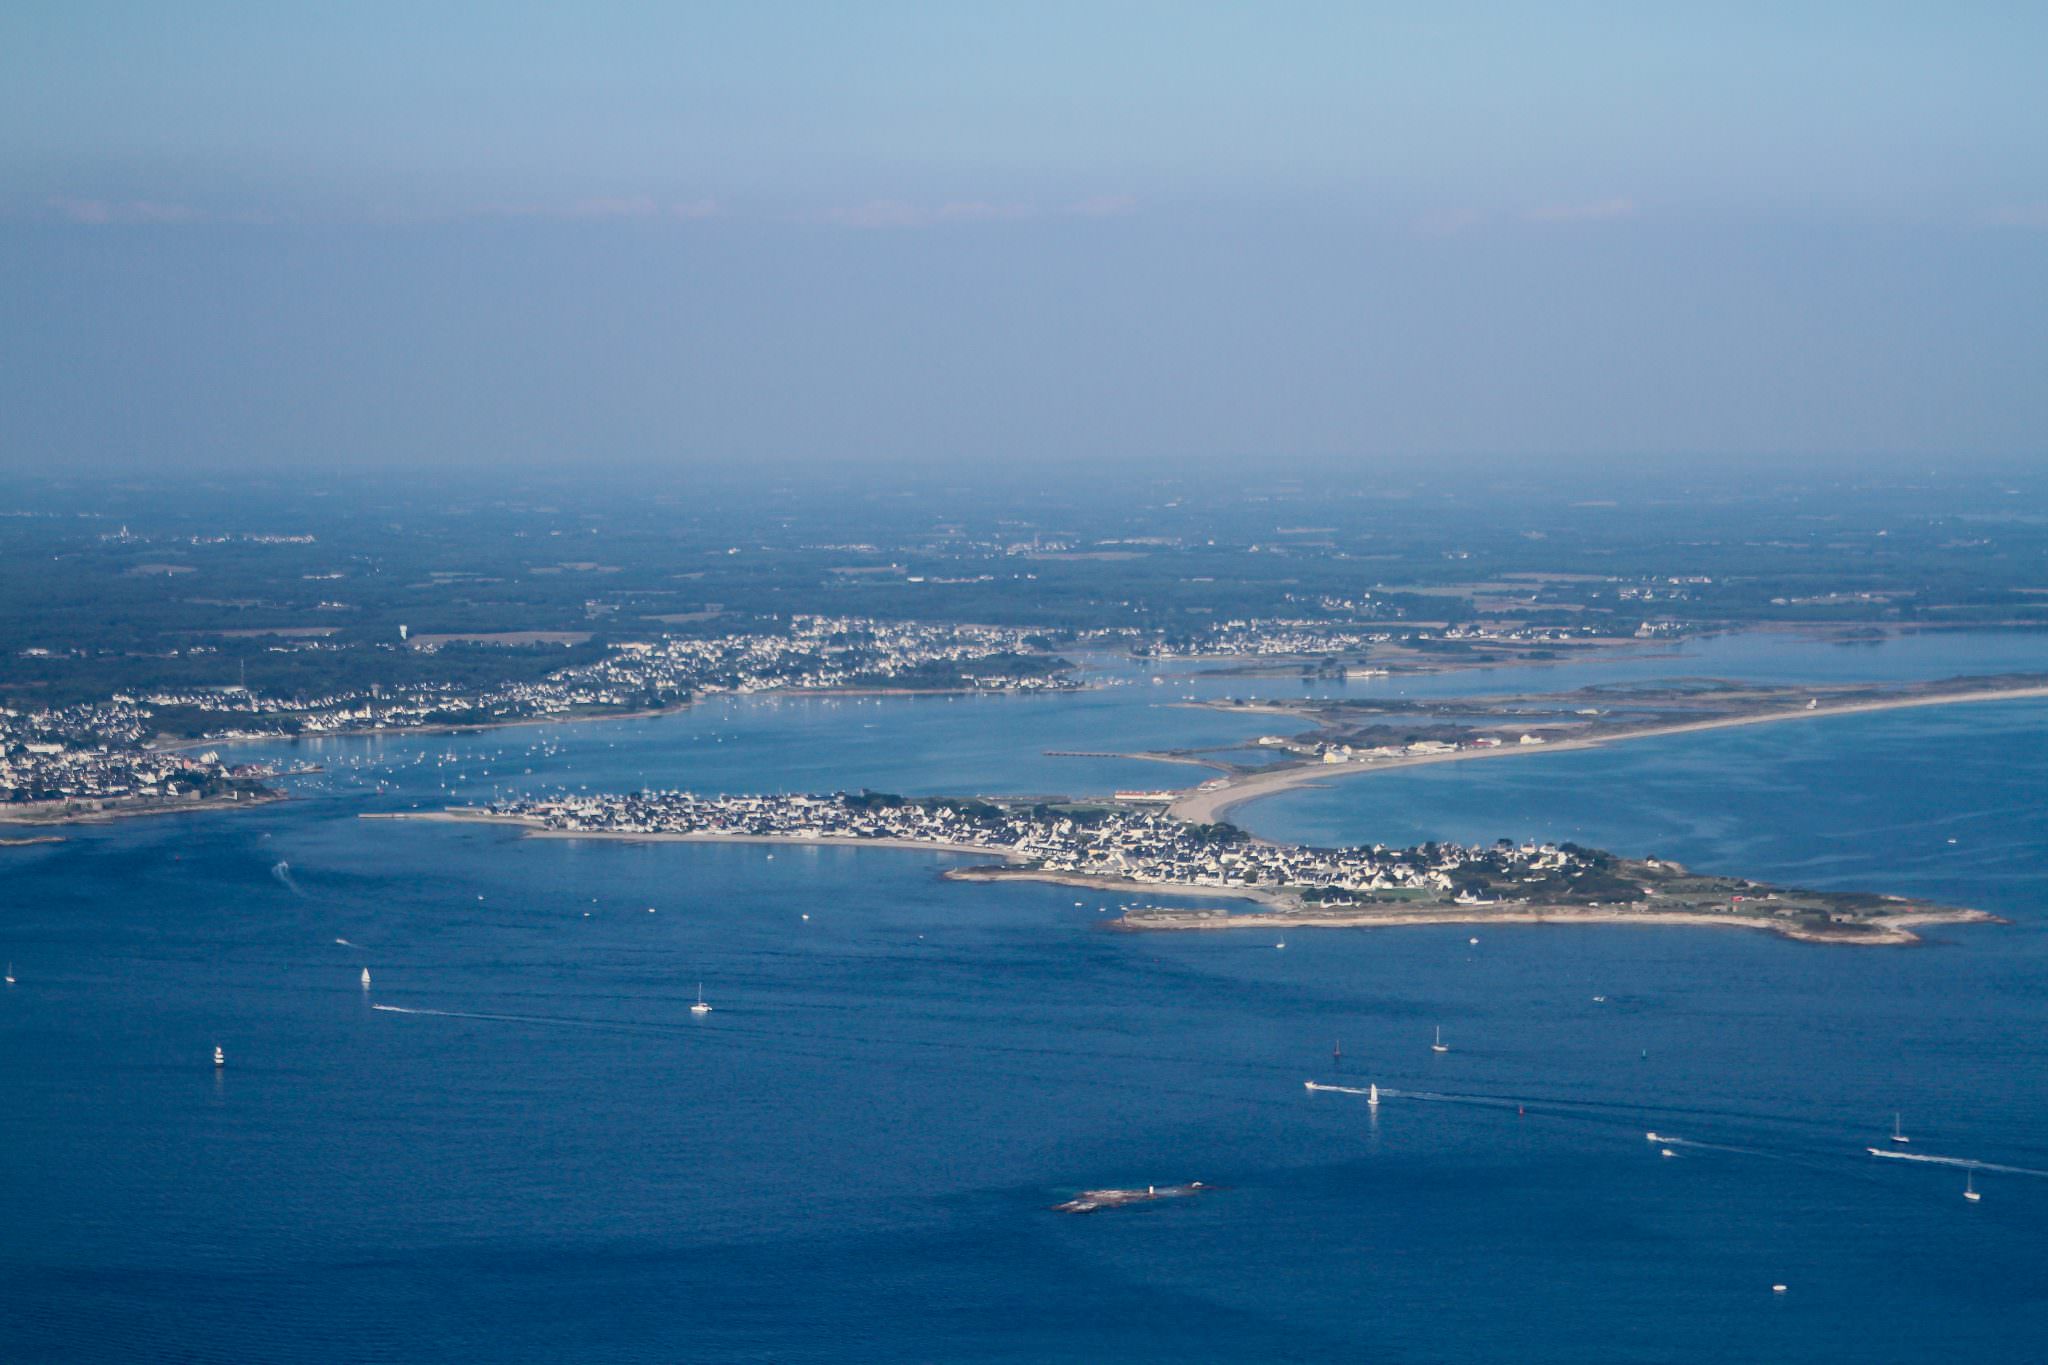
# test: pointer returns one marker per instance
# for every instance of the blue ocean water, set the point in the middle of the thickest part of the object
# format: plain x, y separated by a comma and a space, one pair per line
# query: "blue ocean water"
854, 1156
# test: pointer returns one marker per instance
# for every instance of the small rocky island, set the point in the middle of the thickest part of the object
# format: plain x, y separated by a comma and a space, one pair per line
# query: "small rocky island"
1094, 1201
1135, 848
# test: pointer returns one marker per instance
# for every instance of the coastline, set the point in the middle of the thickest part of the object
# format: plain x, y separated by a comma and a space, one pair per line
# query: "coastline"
1205, 806
584, 717
876, 691
1410, 663
821, 841
39, 813
367, 732
1414, 663
1288, 912
1279, 900
1878, 932
463, 815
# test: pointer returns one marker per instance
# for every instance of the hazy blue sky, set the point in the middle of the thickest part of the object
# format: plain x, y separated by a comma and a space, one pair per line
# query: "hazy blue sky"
265, 233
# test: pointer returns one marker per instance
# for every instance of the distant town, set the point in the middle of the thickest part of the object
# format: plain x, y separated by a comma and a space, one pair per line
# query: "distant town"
811, 653
1296, 638
1141, 846
89, 758
100, 754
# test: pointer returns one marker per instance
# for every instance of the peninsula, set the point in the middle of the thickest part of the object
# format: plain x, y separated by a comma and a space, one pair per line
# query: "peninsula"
1138, 851
1370, 735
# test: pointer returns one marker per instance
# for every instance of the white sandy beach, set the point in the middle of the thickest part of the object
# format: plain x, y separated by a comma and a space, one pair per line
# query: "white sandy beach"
1210, 803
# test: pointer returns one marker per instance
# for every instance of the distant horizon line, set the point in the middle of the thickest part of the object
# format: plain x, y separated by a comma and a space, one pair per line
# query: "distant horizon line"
1422, 466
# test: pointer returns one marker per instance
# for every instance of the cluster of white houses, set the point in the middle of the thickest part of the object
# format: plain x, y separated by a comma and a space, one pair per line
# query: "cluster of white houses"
91, 755
1310, 637
98, 751
1271, 638
1144, 846
813, 652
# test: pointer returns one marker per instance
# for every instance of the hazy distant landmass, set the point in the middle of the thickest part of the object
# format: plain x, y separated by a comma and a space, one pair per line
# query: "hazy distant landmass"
302, 588
138, 616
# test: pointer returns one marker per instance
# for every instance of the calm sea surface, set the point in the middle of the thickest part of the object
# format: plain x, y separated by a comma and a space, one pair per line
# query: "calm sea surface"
547, 1158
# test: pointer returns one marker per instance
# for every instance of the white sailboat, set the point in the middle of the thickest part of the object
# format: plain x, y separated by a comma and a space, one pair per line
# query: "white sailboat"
1898, 1134
220, 1058
700, 1007
10, 973
1372, 1097
1970, 1187
366, 978
1439, 1045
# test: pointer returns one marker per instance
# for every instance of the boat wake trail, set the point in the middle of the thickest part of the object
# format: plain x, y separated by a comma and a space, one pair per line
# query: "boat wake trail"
554, 1021
1821, 1153
1965, 1162
1666, 1140
679, 1029
1427, 1096
1434, 1097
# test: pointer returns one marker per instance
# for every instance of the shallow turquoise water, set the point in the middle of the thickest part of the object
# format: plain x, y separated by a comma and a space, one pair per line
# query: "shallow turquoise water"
855, 1154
